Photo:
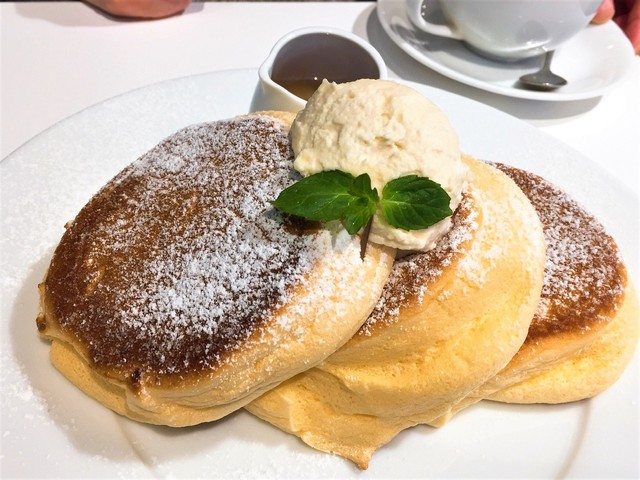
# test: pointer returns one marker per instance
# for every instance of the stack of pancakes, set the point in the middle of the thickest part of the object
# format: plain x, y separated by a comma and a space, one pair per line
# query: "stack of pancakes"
580, 334
178, 295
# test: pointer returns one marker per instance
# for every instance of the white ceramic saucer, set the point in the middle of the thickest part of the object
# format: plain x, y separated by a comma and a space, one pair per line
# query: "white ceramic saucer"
593, 61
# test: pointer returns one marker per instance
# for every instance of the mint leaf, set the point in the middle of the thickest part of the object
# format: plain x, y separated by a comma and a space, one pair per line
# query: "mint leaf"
322, 197
363, 204
414, 203
331, 195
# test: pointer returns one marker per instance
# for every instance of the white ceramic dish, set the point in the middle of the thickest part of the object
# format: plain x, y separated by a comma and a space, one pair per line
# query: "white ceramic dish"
50, 429
592, 62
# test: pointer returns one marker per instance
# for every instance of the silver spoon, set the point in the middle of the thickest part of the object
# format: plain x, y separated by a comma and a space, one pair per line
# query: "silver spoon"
543, 79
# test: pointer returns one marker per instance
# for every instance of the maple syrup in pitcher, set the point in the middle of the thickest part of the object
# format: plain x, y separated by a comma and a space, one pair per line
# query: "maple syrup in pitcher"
301, 66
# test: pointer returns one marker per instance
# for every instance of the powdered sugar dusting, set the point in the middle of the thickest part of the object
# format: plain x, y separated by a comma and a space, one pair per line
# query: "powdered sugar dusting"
178, 248
510, 227
584, 273
412, 275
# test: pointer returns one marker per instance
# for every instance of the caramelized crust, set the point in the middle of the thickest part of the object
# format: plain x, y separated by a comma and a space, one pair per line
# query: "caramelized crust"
585, 277
165, 269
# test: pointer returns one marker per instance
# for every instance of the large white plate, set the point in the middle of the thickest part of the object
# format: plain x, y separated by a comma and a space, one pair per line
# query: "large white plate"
51, 429
593, 61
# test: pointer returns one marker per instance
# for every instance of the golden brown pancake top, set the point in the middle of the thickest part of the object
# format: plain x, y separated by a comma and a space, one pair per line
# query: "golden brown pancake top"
411, 275
180, 258
584, 274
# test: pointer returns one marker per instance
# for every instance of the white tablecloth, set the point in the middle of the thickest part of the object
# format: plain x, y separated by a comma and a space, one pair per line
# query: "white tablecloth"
60, 57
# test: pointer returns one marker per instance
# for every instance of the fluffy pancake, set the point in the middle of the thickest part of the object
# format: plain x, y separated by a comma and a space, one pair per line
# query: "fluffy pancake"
178, 294
589, 371
585, 328
447, 320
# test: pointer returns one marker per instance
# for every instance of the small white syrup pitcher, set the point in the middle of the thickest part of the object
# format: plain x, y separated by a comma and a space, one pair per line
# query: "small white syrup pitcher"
301, 59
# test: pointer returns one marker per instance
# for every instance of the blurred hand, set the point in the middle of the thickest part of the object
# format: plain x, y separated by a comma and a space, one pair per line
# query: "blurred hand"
141, 8
626, 13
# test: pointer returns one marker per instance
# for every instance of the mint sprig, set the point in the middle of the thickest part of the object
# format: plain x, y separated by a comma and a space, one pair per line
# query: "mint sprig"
331, 195
414, 203
409, 203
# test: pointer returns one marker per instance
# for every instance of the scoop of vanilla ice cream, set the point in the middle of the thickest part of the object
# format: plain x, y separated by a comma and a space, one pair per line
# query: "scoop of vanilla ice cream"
386, 130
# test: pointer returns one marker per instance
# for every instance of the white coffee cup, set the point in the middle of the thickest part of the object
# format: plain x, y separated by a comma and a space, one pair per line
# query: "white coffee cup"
505, 29
301, 59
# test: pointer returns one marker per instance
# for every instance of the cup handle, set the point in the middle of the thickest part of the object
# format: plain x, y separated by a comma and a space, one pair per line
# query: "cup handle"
414, 11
